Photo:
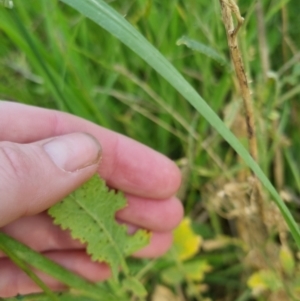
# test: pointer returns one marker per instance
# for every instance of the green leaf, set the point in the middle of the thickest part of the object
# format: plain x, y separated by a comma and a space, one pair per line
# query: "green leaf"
204, 49
89, 213
105, 16
264, 280
194, 270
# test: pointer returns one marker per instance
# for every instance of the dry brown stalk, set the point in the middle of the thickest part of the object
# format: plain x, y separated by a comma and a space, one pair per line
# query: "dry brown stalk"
278, 162
229, 7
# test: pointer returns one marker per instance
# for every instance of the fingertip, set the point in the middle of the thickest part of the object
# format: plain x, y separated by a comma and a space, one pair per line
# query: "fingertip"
170, 180
154, 215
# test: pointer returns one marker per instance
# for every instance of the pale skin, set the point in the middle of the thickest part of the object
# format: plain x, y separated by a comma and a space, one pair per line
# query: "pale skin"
32, 179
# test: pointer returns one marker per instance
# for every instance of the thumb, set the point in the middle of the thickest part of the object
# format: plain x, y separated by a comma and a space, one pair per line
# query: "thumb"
35, 176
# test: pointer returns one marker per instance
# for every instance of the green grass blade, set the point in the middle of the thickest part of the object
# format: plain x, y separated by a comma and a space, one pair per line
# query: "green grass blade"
204, 49
109, 19
23, 266
51, 268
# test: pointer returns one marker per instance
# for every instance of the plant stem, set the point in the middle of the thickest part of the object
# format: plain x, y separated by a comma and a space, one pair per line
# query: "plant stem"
228, 7
25, 268
38, 261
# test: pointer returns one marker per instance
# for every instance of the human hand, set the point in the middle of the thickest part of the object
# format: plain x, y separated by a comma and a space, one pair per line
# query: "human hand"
44, 156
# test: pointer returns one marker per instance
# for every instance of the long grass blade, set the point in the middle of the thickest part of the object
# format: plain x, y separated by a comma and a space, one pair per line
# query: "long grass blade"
38, 261
105, 16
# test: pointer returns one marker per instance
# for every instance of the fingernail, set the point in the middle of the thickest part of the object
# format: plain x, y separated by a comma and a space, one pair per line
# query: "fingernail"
74, 151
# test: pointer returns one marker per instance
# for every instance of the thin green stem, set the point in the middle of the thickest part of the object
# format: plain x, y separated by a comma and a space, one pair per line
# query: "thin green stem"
24, 267
38, 261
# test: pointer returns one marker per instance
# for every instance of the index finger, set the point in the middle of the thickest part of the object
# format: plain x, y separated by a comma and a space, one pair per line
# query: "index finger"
126, 164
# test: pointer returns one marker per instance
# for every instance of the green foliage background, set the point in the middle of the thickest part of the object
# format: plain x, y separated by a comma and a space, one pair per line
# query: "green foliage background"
51, 56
